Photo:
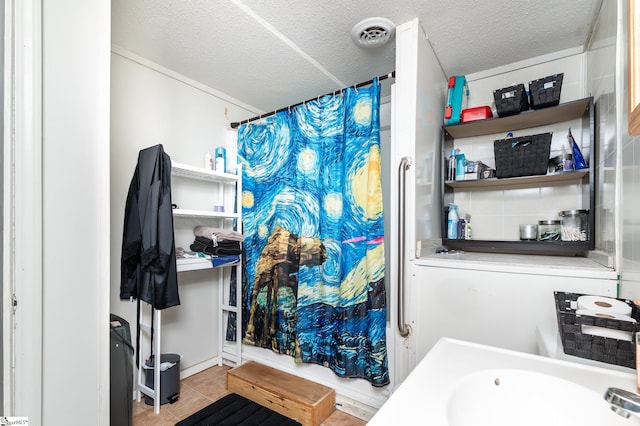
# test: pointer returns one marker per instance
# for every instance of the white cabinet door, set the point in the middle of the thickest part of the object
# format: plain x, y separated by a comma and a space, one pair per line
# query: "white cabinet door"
494, 308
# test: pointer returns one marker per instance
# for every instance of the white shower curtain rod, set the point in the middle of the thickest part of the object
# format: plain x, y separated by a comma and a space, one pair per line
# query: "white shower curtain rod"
235, 125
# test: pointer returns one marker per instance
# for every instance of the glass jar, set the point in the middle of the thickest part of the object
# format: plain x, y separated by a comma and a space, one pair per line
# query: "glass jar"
549, 230
575, 225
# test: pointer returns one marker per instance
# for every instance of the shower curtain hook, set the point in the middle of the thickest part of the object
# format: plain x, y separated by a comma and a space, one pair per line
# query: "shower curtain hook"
355, 87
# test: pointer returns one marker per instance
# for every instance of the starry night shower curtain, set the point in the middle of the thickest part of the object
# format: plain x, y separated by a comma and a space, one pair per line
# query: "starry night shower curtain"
313, 229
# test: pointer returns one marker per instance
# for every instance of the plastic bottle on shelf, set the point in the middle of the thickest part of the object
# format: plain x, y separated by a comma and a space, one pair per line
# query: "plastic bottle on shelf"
452, 222
208, 161
462, 226
461, 163
451, 174
220, 163
467, 231
578, 159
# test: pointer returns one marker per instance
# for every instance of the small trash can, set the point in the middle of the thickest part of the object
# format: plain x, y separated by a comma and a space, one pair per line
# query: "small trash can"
169, 378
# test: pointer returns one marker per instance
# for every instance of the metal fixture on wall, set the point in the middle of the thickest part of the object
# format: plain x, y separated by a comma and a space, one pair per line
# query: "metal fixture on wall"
405, 164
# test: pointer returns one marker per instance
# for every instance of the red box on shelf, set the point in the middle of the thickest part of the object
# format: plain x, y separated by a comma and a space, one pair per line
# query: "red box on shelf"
476, 113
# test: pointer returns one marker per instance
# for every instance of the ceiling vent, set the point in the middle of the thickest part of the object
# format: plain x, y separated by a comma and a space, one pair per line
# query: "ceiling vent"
373, 32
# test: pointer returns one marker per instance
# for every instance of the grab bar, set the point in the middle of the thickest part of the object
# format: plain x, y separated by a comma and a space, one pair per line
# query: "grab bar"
405, 164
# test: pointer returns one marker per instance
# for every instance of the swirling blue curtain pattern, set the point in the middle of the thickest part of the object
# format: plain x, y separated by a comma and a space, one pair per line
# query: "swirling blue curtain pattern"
314, 239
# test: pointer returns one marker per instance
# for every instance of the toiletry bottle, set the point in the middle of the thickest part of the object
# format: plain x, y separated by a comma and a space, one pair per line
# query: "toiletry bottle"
578, 159
208, 161
451, 174
460, 166
220, 163
462, 226
452, 222
467, 231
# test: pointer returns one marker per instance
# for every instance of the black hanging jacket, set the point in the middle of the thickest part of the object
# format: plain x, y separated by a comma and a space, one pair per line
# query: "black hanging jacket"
148, 264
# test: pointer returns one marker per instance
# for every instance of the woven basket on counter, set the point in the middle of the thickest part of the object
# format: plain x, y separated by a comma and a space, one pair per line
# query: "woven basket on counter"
598, 348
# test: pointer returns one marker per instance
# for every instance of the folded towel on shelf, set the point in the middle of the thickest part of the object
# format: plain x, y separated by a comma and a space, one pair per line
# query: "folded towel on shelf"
224, 260
221, 248
217, 234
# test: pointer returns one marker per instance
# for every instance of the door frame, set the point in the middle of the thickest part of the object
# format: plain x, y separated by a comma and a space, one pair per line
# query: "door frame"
22, 211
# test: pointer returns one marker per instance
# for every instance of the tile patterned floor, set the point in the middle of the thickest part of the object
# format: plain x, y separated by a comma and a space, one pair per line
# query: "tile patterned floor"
200, 390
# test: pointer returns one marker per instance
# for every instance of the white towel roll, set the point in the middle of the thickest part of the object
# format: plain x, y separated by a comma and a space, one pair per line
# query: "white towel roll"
603, 305
608, 315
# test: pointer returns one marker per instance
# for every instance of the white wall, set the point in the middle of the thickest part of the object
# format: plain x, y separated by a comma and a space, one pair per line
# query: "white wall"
75, 211
152, 105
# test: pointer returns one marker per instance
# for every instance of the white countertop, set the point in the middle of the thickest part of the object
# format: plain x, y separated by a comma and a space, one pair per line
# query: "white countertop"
520, 263
444, 384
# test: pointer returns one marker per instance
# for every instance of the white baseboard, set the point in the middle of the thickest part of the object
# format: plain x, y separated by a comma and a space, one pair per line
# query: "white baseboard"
195, 369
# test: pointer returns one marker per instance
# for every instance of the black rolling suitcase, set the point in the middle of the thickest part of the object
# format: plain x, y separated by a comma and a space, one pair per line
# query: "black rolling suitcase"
121, 376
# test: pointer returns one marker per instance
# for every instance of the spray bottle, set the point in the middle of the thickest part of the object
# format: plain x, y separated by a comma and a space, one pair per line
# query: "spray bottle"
452, 222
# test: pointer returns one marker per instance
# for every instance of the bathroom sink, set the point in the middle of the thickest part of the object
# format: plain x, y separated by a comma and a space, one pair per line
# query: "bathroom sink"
521, 397
460, 383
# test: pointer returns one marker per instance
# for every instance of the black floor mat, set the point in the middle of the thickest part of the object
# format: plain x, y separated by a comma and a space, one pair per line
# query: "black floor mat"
234, 410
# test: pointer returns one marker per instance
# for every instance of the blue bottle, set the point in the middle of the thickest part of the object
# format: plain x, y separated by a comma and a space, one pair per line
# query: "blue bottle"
452, 222
461, 163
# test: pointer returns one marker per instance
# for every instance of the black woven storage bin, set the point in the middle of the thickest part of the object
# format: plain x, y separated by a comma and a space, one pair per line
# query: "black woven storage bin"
545, 92
598, 348
522, 156
511, 100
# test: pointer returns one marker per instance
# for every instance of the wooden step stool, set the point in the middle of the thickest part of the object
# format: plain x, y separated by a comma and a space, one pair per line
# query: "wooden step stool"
300, 399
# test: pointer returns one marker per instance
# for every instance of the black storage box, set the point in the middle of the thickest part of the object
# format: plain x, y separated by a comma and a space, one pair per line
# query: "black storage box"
545, 92
169, 379
598, 348
511, 100
522, 156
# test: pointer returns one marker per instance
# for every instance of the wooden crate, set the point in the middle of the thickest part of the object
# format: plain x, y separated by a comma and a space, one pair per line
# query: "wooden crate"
305, 401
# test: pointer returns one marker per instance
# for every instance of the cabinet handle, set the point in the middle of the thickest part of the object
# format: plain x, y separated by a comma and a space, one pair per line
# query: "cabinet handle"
405, 164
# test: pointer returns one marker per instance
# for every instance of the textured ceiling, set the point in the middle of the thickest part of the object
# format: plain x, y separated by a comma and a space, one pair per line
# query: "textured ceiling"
270, 54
